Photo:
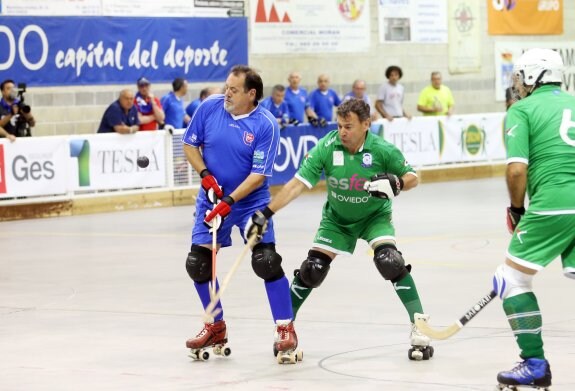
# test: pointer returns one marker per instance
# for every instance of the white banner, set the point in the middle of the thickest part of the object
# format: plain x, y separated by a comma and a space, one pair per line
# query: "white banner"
52, 7
108, 161
507, 52
33, 166
464, 36
412, 21
309, 26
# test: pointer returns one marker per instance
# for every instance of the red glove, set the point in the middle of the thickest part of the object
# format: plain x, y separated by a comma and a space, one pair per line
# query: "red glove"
210, 185
222, 209
513, 216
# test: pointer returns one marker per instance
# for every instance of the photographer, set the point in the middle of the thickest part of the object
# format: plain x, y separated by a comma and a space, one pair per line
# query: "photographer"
15, 116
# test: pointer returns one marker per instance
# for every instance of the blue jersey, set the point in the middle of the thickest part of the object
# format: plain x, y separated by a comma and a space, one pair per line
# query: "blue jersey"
192, 107
115, 115
297, 103
278, 111
323, 102
234, 147
174, 110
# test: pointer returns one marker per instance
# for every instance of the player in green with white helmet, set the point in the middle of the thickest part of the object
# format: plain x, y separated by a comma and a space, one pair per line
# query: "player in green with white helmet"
363, 174
540, 138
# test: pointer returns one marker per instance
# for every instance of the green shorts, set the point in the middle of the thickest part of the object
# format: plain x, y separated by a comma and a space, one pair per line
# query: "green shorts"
341, 238
539, 239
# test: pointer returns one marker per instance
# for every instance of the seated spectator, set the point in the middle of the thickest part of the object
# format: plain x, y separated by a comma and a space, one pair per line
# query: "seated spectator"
390, 95
150, 112
204, 93
15, 117
322, 101
174, 105
297, 99
436, 99
5, 134
358, 91
121, 116
277, 105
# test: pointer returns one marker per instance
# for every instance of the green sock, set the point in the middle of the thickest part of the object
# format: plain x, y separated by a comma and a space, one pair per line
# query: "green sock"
298, 293
525, 320
407, 292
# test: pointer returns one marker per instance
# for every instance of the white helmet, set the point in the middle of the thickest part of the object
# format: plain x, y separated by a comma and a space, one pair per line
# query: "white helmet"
539, 66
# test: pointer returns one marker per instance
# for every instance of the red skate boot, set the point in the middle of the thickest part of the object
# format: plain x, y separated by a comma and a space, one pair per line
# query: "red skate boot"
285, 343
212, 335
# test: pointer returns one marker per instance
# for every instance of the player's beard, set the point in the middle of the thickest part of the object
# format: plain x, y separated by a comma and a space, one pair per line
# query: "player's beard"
229, 107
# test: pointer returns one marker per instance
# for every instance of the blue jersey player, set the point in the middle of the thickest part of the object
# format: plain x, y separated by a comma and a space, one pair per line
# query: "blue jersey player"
232, 143
277, 105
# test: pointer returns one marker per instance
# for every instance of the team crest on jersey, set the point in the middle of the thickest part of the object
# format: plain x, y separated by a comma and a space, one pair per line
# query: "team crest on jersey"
367, 160
248, 138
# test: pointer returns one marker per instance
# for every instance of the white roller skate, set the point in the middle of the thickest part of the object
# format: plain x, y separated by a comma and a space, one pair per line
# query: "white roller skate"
420, 343
285, 343
531, 374
213, 335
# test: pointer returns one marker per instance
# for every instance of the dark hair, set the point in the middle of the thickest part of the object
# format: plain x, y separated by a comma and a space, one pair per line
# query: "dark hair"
178, 83
253, 80
204, 93
6, 82
393, 68
353, 105
278, 88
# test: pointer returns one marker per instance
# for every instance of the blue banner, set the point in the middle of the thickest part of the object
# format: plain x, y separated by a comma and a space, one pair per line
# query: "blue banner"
47, 51
295, 142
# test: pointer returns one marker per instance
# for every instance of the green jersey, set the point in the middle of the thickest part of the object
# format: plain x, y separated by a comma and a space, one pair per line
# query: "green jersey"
346, 173
540, 132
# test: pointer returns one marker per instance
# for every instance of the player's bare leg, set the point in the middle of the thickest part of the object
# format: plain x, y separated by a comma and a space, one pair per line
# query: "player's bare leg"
213, 335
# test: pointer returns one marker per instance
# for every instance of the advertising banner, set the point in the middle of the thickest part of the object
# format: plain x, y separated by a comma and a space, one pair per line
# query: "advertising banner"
525, 17
101, 50
108, 161
309, 26
464, 36
37, 166
422, 21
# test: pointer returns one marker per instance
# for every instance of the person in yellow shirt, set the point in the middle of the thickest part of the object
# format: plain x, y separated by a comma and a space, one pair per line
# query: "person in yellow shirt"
436, 99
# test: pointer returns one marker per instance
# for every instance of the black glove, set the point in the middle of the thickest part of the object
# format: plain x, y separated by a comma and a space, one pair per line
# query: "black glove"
258, 224
294, 122
386, 186
313, 121
513, 216
322, 122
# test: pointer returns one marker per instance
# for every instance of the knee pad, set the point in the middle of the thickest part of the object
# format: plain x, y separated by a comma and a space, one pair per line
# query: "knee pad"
267, 264
390, 263
199, 264
509, 282
314, 269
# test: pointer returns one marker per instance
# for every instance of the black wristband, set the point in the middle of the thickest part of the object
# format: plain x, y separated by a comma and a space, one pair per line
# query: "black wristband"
267, 212
204, 173
228, 200
400, 183
520, 211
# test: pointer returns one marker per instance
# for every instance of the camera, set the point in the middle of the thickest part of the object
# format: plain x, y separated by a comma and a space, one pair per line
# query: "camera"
24, 108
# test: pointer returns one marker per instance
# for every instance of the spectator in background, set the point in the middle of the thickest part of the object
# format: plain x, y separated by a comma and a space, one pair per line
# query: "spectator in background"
436, 99
150, 112
358, 91
5, 134
277, 105
390, 95
15, 116
509, 98
322, 101
204, 93
174, 105
121, 116
297, 99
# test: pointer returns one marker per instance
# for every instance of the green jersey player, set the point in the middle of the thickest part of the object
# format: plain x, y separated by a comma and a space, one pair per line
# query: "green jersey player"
540, 140
363, 174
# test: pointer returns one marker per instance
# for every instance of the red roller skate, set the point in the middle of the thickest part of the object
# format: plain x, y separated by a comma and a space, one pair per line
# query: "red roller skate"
212, 335
285, 343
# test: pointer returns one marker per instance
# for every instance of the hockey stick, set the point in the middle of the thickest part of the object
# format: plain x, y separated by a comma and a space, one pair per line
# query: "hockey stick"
209, 313
214, 253
458, 325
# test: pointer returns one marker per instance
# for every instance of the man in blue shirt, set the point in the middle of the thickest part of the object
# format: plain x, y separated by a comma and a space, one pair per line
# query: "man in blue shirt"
121, 116
277, 105
322, 101
174, 105
297, 99
239, 141
204, 93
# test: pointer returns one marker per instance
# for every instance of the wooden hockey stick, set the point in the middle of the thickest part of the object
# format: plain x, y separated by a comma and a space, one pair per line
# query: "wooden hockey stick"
209, 313
458, 325
214, 253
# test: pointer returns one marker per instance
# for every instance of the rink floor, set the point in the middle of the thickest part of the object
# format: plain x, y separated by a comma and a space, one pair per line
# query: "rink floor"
103, 302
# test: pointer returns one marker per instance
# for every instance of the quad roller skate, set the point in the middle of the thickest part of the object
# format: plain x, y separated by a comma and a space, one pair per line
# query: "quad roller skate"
285, 343
420, 347
213, 335
531, 374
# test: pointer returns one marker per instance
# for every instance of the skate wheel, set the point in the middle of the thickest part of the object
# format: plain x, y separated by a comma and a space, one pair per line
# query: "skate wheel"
227, 352
218, 350
204, 356
431, 351
426, 354
415, 354
275, 351
299, 355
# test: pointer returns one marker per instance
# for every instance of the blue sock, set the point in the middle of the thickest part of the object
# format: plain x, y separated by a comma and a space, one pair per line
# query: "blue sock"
204, 293
279, 298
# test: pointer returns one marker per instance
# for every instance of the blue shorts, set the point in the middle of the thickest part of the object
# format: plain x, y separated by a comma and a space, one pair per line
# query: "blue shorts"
238, 217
